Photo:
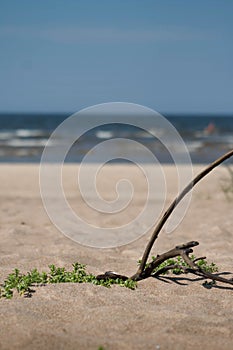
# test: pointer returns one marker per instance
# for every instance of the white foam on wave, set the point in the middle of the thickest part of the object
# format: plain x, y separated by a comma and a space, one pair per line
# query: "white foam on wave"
194, 145
29, 132
26, 143
101, 134
6, 135
21, 133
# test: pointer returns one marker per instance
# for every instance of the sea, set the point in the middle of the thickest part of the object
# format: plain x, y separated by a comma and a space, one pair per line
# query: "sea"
23, 137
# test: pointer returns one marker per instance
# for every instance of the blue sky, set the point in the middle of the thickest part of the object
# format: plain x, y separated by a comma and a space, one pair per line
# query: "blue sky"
170, 55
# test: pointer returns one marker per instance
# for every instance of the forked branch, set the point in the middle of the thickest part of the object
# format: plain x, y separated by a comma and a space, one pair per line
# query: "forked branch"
173, 205
146, 270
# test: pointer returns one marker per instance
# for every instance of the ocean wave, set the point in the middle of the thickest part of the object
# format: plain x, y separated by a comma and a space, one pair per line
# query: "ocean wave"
26, 143
104, 134
24, 133
6, 135
25, 136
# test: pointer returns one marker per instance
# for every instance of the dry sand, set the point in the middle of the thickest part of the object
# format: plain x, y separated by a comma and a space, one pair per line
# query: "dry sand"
171, 314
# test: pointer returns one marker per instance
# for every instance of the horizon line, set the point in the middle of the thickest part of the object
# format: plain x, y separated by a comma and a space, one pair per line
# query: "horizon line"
190, 113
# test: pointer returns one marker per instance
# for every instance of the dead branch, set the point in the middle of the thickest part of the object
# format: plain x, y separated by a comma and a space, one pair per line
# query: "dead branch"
181, 250
173, 206
146, 270
177, 251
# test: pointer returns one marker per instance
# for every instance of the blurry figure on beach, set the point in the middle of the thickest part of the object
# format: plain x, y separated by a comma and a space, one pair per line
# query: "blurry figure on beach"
210, 129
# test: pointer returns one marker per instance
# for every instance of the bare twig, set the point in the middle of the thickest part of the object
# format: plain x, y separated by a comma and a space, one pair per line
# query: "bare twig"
200, 258
211, 276
172, 207
177, 251
181, 250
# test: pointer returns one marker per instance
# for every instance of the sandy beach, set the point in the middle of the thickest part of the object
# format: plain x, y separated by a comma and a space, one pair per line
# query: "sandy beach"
177, 313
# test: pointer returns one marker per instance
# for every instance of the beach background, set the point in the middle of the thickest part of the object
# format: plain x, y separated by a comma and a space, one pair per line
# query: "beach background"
23, 137
60, 57
168, 313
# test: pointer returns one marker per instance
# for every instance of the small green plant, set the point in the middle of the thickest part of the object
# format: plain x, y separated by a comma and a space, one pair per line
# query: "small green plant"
180, 265
22, 283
